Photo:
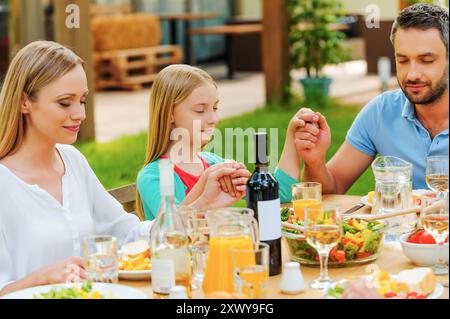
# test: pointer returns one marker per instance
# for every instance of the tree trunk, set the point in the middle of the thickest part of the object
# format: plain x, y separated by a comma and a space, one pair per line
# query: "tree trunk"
275, 50
80, 41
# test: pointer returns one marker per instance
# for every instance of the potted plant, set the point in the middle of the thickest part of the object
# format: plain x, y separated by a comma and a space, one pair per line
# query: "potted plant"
313, 43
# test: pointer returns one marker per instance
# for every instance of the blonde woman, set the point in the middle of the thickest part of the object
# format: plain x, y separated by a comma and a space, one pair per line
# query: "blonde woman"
50, 197
184, 99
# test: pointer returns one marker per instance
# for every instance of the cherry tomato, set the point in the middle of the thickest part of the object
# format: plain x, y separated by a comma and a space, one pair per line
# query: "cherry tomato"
390, 294
361, 255
340, 256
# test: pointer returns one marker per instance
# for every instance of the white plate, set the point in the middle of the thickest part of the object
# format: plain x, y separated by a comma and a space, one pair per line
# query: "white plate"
437, 292
364, 201
135, 274
415, 192
110, 291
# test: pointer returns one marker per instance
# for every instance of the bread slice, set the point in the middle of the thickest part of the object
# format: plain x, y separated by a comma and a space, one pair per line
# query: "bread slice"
135, 248
420, 280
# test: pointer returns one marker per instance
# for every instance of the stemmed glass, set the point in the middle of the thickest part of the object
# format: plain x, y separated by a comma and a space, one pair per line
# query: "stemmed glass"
434, 218
436, 174
323, 230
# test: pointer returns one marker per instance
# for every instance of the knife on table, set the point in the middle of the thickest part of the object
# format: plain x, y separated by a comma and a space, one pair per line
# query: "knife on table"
354, 208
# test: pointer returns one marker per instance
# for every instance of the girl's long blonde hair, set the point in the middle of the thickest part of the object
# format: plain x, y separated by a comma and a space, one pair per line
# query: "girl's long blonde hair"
34, 67
171, 87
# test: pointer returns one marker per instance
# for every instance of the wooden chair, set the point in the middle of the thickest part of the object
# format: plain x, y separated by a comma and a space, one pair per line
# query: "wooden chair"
126, 195
127, 50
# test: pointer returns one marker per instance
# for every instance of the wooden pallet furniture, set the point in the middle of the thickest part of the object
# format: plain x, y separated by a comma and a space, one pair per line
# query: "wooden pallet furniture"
130, 69
127, 53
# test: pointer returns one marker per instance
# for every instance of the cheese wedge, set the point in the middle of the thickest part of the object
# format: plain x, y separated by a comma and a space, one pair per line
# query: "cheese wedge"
135, 248
420, 280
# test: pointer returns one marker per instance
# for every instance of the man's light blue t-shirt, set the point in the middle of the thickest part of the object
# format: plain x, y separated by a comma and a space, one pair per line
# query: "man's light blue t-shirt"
388, 126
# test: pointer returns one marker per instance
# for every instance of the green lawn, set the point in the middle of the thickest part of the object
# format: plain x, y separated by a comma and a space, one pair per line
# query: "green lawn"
117, 163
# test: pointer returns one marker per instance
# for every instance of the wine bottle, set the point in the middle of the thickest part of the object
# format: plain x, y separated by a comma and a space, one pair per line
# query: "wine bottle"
263, 197
169, 244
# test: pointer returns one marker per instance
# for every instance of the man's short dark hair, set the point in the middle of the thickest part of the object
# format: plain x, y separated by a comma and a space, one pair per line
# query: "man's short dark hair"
423, 16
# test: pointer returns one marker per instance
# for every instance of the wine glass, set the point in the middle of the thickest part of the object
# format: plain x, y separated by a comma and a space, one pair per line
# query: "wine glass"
434, 218
436, 174
323, 230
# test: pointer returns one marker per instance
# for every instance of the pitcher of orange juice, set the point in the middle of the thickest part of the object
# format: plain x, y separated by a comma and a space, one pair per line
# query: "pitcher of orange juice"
228, 227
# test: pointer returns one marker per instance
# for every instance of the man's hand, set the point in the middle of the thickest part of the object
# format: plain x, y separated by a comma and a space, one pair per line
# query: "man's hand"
312, 138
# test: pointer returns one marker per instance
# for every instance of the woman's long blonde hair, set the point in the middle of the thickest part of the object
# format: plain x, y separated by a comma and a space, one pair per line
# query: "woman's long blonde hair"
34, 67
171, 87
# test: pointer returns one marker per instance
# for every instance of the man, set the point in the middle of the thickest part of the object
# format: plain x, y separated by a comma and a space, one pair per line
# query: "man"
410, 123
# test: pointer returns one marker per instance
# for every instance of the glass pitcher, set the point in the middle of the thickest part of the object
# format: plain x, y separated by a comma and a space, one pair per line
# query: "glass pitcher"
229, 227
393, 184
393, 191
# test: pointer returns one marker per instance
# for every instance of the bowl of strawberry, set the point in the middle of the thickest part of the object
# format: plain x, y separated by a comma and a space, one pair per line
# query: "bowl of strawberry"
421, 248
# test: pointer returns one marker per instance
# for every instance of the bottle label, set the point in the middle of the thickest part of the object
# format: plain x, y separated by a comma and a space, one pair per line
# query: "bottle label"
163, 275
269, 219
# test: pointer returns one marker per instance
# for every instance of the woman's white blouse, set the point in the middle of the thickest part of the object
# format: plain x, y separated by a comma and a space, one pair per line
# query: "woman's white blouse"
36, 230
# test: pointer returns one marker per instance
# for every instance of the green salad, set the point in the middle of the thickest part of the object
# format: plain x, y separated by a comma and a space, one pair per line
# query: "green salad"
361, 239
83, 292
335, 292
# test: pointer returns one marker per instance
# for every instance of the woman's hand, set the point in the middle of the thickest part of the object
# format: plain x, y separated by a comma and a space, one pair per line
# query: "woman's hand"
69, 270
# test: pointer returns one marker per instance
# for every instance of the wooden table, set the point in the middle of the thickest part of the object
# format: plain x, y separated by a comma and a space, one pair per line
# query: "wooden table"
391, 259
186, 18
228, 31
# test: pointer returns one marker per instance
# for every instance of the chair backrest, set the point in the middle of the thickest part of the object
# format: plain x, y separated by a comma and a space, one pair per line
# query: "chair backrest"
128, 31
126, 195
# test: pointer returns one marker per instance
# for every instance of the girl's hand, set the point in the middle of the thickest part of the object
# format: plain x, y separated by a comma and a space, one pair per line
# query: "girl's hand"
297, 121
213, 195
312, 138
230, 182
240, 178
69, 270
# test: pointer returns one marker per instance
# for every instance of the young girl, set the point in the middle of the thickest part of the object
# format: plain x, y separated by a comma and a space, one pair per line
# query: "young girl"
183, 103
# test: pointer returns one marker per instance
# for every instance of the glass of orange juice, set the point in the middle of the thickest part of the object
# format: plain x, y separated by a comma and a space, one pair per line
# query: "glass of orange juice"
251, 270
307, 194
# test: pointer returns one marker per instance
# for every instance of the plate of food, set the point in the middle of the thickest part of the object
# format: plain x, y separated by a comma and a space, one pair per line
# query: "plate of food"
416, 283
361, 242
417, 194
78, 291
368, 199
134, 261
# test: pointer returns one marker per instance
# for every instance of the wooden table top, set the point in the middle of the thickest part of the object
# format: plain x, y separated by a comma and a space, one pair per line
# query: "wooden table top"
229, 29
189, 16
391, 260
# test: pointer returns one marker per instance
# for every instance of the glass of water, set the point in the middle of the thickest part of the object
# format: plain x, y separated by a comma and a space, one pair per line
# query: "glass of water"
198, 232
100, 254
